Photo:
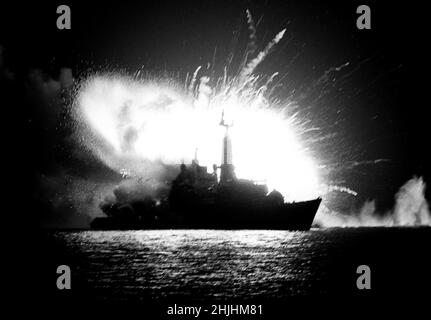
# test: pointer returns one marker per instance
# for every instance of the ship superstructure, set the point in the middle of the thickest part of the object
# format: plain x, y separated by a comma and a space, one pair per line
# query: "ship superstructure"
199, 199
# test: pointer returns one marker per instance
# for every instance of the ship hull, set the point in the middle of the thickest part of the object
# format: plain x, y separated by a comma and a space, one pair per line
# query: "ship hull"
289, 216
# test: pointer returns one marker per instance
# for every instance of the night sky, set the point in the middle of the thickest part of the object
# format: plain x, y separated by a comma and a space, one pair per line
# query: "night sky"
371, 114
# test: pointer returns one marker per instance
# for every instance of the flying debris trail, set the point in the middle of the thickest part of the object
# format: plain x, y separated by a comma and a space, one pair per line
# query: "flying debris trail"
251, 46
192, 83
252, 28
248, 70
325, 78
331, 188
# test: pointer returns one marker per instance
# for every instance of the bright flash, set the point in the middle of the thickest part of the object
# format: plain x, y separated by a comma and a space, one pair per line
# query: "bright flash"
139, 121
134, 123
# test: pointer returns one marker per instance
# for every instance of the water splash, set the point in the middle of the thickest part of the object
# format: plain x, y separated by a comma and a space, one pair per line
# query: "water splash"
410, 209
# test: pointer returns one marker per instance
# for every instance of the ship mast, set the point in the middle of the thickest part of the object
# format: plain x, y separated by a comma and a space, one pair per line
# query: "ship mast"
227, 173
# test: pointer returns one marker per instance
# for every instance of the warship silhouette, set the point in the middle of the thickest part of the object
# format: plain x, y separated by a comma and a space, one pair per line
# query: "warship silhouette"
201, 200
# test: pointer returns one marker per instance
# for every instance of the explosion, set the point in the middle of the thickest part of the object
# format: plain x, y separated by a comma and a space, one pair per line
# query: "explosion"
138, 125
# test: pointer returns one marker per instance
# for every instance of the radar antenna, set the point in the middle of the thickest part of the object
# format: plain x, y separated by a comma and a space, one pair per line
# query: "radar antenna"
223, 123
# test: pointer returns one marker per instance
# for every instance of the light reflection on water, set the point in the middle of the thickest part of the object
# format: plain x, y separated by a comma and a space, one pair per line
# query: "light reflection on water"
204, 265
207, 263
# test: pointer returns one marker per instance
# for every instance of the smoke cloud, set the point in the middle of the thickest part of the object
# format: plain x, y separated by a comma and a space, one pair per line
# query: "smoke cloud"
70, 201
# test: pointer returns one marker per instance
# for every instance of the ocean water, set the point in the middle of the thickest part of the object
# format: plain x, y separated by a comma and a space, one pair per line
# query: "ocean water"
203, 265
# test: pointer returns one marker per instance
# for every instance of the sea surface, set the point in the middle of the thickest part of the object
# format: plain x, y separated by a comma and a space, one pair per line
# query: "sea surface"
205, 265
